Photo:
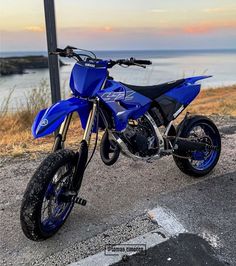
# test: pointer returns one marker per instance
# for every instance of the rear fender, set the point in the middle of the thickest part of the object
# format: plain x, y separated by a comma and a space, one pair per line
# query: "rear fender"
48, 120
193, 80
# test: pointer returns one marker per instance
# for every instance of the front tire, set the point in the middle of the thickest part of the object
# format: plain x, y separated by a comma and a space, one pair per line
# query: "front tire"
199, 168
53, 177
109, 150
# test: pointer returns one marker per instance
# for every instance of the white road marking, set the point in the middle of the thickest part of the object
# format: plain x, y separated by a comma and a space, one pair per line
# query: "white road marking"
167, 220
168, 226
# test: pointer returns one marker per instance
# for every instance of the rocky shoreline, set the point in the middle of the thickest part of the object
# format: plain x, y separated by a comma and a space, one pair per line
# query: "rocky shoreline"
18, 65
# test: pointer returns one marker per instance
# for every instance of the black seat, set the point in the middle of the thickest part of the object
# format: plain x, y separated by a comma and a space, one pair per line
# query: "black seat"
155, 91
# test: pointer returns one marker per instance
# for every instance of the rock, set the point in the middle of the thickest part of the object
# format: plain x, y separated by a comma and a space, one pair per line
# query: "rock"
18, 65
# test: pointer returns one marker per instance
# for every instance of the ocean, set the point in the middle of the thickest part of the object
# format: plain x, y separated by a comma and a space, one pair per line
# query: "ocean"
167, 65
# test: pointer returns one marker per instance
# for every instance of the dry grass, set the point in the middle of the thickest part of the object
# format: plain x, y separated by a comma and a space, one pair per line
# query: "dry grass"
15, 132
16, 137
220, 101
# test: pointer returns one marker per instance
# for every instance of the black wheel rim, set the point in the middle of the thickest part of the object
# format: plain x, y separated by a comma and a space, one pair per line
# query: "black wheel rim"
54, 211
203, 160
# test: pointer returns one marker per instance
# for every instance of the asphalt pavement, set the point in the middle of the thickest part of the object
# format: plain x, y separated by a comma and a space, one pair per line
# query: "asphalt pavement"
185, 249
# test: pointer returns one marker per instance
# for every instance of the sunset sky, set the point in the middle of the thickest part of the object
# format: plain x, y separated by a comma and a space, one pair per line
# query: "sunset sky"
121, 24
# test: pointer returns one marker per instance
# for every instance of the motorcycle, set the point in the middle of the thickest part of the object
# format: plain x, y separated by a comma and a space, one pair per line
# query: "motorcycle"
137, 121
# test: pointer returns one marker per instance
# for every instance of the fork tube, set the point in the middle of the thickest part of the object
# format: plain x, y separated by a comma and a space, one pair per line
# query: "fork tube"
61, 136
90, 123
65, 126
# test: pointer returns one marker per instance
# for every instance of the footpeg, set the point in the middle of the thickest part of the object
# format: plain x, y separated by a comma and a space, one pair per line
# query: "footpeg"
71, 196
80, 201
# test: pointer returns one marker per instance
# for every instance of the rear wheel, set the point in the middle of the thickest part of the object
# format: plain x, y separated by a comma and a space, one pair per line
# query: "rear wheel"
201, 162
43, 211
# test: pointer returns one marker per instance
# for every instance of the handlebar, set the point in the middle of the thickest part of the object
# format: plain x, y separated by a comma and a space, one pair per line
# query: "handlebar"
130, 62
143, 62
68, 51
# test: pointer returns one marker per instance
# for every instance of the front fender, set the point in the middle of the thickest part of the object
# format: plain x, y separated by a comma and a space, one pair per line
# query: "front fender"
48, 120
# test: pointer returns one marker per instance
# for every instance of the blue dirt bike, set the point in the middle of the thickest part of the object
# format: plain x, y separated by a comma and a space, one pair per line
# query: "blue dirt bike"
137, 121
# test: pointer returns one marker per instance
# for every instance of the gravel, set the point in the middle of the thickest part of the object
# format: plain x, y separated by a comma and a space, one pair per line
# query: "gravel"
116, 195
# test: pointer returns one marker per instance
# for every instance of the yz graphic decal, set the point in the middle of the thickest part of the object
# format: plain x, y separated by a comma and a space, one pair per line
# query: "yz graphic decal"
117, 96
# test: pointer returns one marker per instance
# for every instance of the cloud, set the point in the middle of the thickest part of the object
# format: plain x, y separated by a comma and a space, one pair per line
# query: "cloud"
92, 33
198, 35
34, 28
22, 40
206, 27
158, 11
198, 29
219, 9
107, 28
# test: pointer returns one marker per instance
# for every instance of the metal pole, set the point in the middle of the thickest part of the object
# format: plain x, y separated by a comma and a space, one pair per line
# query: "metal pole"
53, 62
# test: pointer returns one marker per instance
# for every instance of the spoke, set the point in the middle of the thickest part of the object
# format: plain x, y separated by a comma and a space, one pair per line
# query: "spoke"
44, 209
203, 134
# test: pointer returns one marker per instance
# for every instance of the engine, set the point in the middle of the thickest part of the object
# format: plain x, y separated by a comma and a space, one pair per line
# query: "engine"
140, 138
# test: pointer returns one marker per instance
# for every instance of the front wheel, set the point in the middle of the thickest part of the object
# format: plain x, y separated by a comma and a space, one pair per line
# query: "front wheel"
201, 162
43, 211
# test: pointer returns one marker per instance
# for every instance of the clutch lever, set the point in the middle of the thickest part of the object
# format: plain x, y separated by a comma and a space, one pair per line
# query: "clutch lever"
53, 53
139, 65
59, 52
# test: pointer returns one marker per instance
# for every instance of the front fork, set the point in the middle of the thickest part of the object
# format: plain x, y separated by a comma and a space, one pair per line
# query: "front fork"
82, 154
60, 139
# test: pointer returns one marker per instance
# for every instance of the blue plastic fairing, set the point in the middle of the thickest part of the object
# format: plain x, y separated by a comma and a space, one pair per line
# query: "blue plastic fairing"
124, 103
87, 79
184, 94
187, 92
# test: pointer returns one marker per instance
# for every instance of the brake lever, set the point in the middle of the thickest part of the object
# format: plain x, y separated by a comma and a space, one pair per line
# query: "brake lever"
132, 60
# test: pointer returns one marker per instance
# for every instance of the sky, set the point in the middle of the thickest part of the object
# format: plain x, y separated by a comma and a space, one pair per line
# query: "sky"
121, 24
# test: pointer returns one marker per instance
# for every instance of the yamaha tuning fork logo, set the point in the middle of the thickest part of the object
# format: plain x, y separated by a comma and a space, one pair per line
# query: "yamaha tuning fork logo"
44, 122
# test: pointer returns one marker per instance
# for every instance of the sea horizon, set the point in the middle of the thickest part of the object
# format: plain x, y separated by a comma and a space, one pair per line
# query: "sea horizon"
36, 52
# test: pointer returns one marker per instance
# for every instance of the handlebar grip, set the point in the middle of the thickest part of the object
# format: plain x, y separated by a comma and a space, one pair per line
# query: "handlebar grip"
60, 50
142, 62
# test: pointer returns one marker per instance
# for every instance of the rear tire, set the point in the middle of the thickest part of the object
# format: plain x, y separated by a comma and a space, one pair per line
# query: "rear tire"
185, 165
39, 188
